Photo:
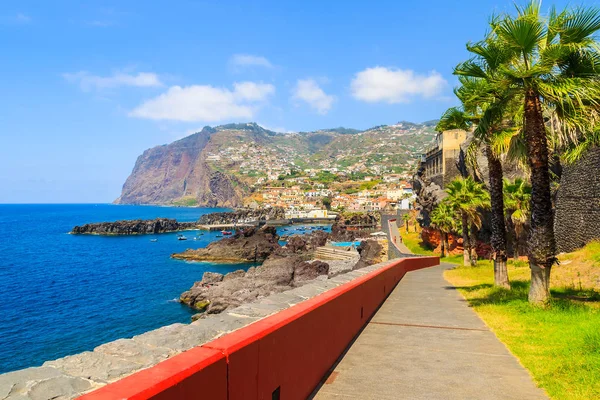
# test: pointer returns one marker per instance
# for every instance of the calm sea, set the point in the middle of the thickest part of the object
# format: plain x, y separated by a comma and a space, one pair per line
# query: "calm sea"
61, 294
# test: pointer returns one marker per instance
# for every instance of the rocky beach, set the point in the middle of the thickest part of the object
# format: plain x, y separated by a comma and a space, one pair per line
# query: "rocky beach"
284, 267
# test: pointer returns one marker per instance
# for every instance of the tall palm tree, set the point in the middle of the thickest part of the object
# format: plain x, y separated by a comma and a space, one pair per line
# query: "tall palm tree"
443, 219
467, 197
495, 114
554, 63
517, 201
406, 219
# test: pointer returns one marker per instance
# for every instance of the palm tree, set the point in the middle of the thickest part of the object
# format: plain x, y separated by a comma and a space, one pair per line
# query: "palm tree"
554, 65
413, 218
406, 219
517, 201
486, 111
443, 219
495, 114
467, 197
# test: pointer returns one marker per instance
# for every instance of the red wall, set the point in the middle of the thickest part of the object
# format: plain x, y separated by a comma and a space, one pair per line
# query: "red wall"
290, 351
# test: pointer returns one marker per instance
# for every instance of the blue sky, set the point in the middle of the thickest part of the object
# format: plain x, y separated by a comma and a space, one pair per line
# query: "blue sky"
87, 86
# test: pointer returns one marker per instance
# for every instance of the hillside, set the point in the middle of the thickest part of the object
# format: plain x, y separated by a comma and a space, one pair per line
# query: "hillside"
219, 166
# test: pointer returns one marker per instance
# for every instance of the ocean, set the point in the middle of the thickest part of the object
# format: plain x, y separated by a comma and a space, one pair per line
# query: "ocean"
62, 294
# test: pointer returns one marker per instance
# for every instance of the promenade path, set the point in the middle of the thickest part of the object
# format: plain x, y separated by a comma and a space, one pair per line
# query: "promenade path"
426, 343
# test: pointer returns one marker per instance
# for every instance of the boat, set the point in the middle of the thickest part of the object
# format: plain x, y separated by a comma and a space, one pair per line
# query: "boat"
154, 240
226, 232
181, 237
219, 236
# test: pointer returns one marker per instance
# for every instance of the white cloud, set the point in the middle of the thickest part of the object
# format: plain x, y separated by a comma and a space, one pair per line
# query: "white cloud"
249, 60
100, 23
22, 18
205, 103
395, 85
309, 91
252, 91
16, 19
88, 82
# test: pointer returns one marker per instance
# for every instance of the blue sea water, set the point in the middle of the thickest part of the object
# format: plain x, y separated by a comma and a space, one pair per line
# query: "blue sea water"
61, 294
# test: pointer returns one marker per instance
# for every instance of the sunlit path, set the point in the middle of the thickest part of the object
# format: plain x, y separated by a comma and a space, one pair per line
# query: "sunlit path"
426, 343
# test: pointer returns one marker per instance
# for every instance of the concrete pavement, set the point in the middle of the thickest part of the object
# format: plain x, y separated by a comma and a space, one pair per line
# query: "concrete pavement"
426, 343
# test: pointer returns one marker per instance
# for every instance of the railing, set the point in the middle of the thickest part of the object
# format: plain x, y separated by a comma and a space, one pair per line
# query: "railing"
283, 356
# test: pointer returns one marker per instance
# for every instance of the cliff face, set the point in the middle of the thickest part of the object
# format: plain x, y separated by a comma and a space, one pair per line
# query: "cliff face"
179, 174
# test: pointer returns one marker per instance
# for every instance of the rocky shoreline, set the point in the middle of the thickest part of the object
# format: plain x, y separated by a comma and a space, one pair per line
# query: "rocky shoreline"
243, 215
247, 245
284, 267
134, 227
165, 225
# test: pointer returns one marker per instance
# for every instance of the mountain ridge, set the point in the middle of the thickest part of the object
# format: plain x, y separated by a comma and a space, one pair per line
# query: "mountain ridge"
220, 166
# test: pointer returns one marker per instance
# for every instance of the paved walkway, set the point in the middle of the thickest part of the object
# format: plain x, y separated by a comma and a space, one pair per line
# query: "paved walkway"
426, 343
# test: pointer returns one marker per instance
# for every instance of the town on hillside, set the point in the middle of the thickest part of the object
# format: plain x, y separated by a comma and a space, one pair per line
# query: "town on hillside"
358, 171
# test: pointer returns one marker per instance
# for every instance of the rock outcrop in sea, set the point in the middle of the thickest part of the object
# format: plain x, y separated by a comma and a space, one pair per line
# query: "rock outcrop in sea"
133, 227
246, 245
216, 292
242, 216
351, 226
284, 268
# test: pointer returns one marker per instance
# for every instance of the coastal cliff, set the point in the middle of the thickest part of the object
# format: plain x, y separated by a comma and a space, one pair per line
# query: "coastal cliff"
178, 174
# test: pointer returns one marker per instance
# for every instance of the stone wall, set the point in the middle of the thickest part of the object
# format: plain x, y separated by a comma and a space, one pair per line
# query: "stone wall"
451, 168
577, 218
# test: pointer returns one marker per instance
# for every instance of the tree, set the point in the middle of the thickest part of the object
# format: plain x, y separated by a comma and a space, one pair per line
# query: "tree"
493, 113
553, 66
467, 198
517, 201
443, 219
406, 219
327, 203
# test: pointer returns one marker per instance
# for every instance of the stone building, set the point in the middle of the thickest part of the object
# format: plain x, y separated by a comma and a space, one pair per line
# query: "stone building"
440, 160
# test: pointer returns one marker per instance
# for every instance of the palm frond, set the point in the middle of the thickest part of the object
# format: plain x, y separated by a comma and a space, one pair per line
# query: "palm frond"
579, 24
454, 118
522, 33
470, 68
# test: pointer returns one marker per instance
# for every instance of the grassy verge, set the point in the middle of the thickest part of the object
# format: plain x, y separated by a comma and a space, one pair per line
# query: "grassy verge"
559, 344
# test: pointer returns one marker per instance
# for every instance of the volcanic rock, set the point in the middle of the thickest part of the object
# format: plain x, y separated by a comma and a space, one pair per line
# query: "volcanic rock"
242, 216
247, 245
370, 253
133, 227
277, 274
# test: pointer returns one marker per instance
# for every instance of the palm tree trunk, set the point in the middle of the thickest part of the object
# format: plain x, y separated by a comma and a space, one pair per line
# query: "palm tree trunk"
498, 239
512, 239
541, 244
407, 226
442, 244
447, 243
473, 245
466, 242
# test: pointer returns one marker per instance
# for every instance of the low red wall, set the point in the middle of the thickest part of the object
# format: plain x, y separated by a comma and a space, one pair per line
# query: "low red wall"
286, 354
